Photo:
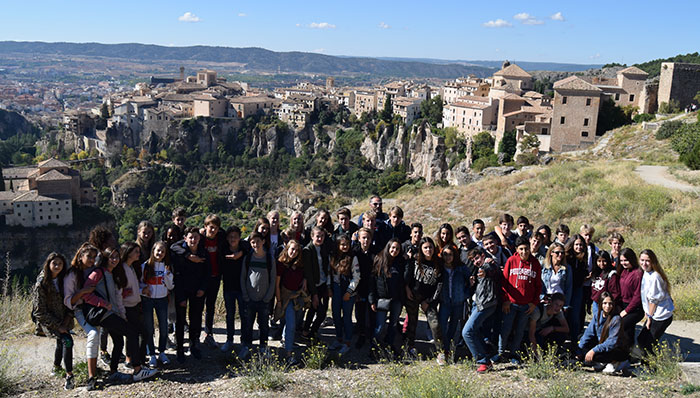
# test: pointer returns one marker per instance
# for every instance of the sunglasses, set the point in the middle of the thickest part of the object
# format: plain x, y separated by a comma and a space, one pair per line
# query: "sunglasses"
558, 253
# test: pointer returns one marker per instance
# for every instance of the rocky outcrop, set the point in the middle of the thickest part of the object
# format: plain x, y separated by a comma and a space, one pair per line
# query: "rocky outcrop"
127, 188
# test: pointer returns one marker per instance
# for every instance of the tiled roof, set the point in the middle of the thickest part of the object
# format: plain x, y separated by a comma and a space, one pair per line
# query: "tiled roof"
33, 196
575, 83
512, 70
9, 195
53, 175
633, 70
53, 163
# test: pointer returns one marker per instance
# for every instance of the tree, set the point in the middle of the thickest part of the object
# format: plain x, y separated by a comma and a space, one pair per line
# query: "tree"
482, 151
431, 110
387, 112
529, 142
508, 145
611, 117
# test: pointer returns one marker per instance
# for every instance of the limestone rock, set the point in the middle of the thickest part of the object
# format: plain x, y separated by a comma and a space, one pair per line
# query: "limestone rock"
497, 171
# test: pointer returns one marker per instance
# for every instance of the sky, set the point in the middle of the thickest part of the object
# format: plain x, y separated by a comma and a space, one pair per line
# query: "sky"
569, 31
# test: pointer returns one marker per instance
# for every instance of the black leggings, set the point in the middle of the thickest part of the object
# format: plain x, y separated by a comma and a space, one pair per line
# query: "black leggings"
617, 354
649, 338
629, 322
210, 302
134, 317
195, 316
64, 351
118, 328
315, 317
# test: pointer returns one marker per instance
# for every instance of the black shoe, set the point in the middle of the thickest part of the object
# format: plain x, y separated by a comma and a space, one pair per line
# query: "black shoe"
180, 356
105, 358
194, 351
91, 384
360, 342
122, 358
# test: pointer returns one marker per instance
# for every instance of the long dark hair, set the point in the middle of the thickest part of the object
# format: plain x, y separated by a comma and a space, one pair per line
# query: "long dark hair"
621, 335
571, 254
438, 239
77, 266
342, 262
383, 260
149, 266
434, 261
266, 237
630, 256
118, 272
292, 263
608, 264
47, 271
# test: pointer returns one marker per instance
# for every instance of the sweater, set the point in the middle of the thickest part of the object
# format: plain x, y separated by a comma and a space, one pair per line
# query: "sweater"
522, 280
654, 290
606, 282
594, 332
105, 293
630, 288
131, 296
160, 283
258, 278
48, 311
424, 280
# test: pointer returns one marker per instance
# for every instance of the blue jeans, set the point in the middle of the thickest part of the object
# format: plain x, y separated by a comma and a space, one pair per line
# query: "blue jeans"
261, 311
450, 315
514, 321
473, 333
290, 324
230, 299
573, 316
342, 322
394, 313
160, 305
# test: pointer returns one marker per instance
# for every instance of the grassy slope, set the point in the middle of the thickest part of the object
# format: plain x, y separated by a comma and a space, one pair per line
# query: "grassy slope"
600, 190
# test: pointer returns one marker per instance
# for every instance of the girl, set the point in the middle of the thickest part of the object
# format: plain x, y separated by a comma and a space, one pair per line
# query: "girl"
296, 229
156, 282
423, 288
546, 232
444, 237
290, 288
262, 226
73, 294
577, 262
345, 271
454, 293
604, 341
616, 241
630, 289
107, 295
604, 279
386, 290
556, 277
656, 301
145, 238
127, 278
52, 317
171, 235
486, 293
234, 252
273, 216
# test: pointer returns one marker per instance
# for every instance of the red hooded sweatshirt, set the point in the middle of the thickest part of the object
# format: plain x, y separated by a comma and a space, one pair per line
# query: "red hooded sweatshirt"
522, 280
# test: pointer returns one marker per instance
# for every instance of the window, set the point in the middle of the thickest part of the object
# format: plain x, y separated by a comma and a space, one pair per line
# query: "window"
563, 100
563, 120
41, 217
631, 97
617, 96
584, 134
585, 122
588, 102
545, 131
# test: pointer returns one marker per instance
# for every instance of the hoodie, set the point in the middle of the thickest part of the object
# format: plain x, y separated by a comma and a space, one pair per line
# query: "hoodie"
522, 280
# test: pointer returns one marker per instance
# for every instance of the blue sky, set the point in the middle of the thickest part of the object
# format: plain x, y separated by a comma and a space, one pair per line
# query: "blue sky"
554, 31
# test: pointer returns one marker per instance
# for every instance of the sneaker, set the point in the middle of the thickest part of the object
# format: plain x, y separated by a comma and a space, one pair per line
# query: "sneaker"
163, 358
484, 367
336, 345
153, 362
70, 384
128, 365
610, 368
105, 358
244, 353
122, 358
119, 378
194, 351
515, 361
209, 341
441, 359
145, 373
91, 384
227, 347
344, 350
597, 366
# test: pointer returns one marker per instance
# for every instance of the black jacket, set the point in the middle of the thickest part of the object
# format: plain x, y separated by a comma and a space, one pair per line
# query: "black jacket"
392, 287
189, 276
311, 266
231, 269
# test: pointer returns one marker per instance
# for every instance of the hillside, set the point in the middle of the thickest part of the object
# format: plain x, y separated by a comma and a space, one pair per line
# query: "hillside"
12, 124
252, 59
653, 67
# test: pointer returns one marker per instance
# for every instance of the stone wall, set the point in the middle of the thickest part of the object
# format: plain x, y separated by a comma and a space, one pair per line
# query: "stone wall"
680, 82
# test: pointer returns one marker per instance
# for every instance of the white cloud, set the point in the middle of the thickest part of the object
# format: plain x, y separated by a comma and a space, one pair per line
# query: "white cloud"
499, 23
383, 25
319, 50
557, 17
528, 19
242, 14
321, 25
188, 17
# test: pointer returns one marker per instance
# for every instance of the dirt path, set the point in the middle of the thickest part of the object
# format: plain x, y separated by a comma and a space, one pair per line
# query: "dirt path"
659, 175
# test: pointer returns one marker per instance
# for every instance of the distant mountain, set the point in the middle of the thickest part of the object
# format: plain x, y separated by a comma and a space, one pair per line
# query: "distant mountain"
528, 66
254, 59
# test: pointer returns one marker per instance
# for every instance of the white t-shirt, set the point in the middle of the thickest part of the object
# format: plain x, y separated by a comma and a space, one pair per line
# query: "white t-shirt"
654, 290
555, 284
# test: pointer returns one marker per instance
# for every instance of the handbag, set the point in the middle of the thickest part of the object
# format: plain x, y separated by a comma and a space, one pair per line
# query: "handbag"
94, 314
383, 304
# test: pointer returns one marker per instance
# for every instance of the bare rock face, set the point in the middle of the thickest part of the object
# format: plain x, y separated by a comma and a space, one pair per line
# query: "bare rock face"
497, 171
427, 156
127, 188
461, 174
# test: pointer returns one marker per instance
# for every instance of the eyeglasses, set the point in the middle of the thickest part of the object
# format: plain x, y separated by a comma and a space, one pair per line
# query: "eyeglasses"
376, 204
558, 253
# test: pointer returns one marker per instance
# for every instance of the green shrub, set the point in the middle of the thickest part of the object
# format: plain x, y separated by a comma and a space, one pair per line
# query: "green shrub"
316, 357
663, 363
542, 364
484, 162
692, 158
668, 129
526, 159
672, 106
7, 380
263, 373
685, 138
643, 117
436, 382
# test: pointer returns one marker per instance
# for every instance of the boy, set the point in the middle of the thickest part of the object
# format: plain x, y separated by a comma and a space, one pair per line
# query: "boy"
179, 217
232, 264
524, 227
497, 254
562, 234
257, 288
214, 242
396, 227
522, 285
504, 231
548, 323
345, 224
191, 280
478, 229
316, 259
466, 244
409, 248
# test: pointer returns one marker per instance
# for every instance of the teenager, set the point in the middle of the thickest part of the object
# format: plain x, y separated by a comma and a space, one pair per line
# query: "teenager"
192, 273
258, 278
616, 242
214, 241
232, 264
498, 254
379, 230
73, 294
537, 248
365, 259
296, 229
478, 229
290, 290
145, 238
273, 218
423, 288
179, 217
587, 231
522, 285
102, 238
523, 227
444, 237
548, 324
52, 318
604, 278
546, 232
156, 282
504, 231
396, 227
171, 235
656, 301
386, 292
316, 259
487, 289
556, 276
630, 292
345, 276
107, 296
345, 224
453, 296
577, 263
604, 341
562, 234
127, 277
466, 244
411, 247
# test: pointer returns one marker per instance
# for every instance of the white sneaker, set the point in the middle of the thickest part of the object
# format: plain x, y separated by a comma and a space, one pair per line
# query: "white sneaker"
227, 347
610, 368
336, 345
441, 359
153, 362
163, 358
144, 373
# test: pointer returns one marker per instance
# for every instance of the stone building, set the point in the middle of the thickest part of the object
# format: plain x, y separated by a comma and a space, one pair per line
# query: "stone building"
575, 114
680, 82
30, 209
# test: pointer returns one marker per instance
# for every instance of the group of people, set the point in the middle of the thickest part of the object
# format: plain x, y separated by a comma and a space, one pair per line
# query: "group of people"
487, 291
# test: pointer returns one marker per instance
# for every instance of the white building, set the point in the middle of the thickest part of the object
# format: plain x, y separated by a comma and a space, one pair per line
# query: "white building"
33, 210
